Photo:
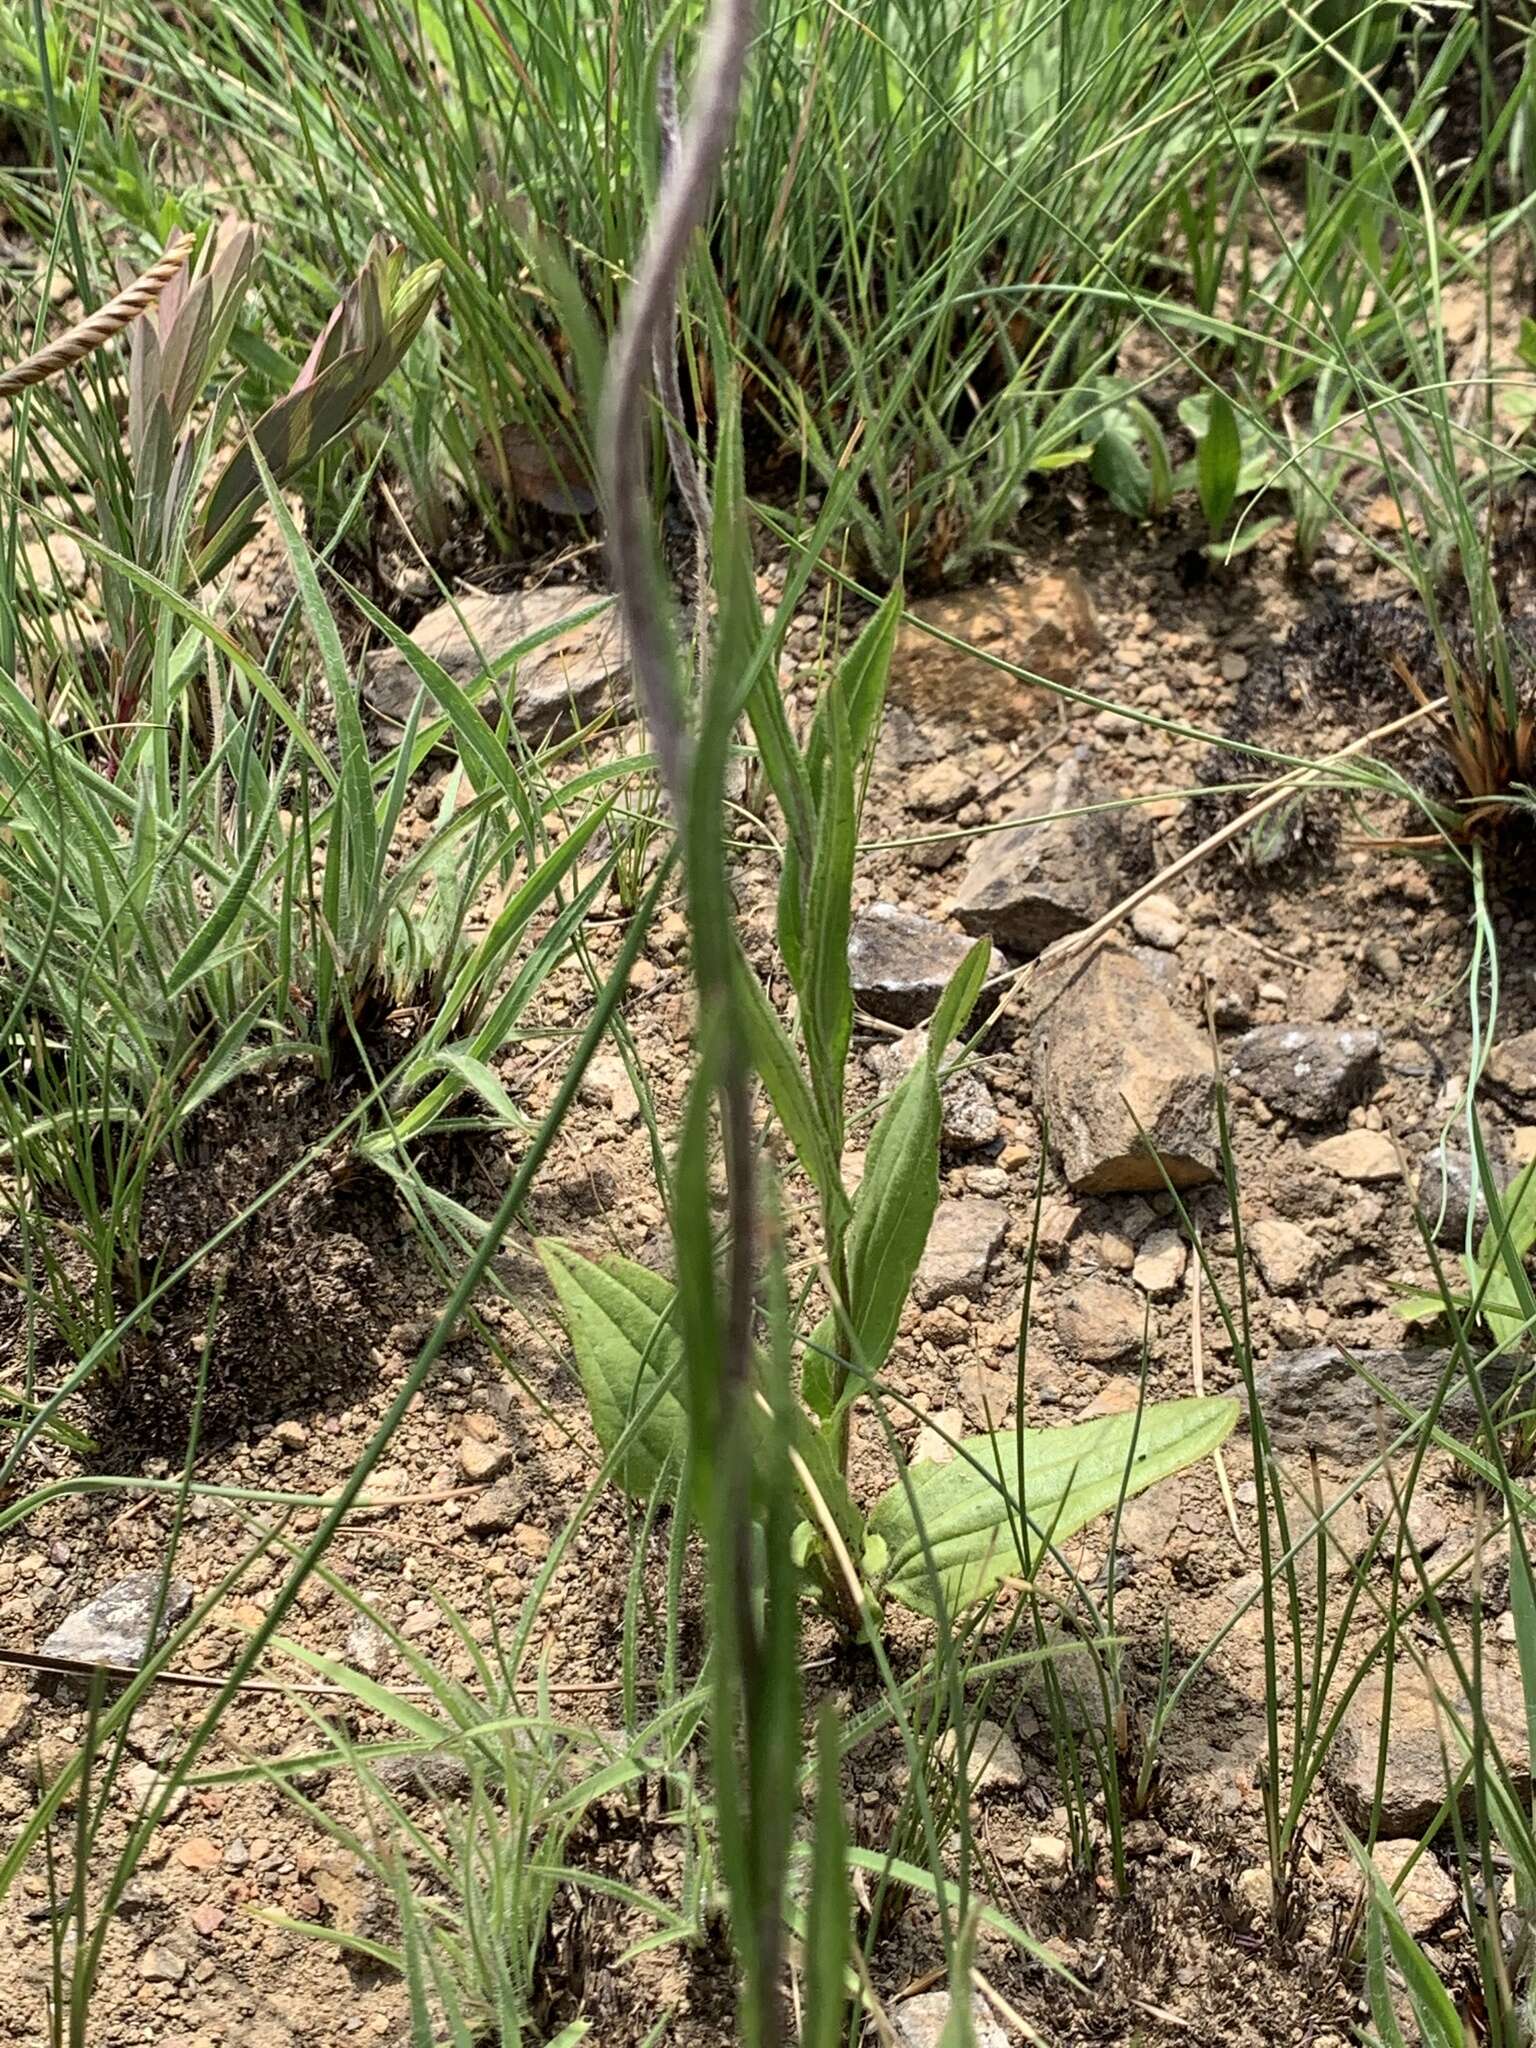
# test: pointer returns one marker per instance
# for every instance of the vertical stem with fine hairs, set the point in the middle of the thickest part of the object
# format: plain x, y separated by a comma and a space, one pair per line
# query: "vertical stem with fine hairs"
680, 454
680, 208
645, 347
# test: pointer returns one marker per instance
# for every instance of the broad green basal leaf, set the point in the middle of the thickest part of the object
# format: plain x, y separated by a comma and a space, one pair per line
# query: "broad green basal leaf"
616, 1313
1071, 1476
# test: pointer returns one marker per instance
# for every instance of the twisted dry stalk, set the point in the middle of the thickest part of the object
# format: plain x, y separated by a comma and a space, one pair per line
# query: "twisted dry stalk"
694, 160
100, 326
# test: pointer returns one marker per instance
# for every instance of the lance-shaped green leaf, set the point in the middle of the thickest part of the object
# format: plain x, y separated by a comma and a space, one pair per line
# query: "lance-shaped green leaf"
779, 1069
855, 702
1218, 462
1507, 1299
893, 1213
629, 1357
967, 1530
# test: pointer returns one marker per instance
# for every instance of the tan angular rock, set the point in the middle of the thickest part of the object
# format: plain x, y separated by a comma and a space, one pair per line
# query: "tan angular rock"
937, 1438
1512, 1065
965, 1235
1124, 1082
1287, 1257
1421, 1735
1359, 1155
1160, 1263
1427, 1895
483, 1462
580, 669
993, 1760
1101, 1322
1044, 624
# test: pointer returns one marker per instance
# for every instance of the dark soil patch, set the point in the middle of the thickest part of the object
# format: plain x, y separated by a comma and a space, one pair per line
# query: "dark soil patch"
1338, 674
290, 1305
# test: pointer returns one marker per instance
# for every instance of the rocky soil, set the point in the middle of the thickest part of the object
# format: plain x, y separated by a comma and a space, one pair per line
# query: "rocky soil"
1331, 995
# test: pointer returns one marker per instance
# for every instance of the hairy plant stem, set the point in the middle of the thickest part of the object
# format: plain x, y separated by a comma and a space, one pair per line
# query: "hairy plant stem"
647, 341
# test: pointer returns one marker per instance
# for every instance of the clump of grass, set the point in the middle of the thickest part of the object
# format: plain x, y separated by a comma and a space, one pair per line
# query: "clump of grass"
963, 227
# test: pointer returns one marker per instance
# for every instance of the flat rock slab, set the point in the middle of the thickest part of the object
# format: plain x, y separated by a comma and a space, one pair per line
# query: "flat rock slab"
1512, 1065
578, 669
920, 2022
1313, 1073
961, 1245
1044, 624
1316, 1400
1125, 1083
1421, 1734
1049, 875
1359, 1155
901, 963
114, 1628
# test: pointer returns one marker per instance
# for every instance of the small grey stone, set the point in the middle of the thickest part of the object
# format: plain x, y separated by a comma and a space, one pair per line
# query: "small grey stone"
497, 1510
920, 2022
1317, 1400
1234, 993
1063, 1685
1311, 1072
1445, 1183
965, 1235
114, 1628
901, 963
367, 1647
435, 1774
970, 1118
567, 679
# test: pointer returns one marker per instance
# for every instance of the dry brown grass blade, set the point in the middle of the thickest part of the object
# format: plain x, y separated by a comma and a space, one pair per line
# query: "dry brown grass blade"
89, 334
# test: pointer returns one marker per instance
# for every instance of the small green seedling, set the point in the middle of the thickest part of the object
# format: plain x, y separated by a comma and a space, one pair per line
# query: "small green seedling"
941, 1536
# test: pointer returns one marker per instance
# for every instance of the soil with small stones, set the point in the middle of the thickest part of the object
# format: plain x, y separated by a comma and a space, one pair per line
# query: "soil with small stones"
318, 1306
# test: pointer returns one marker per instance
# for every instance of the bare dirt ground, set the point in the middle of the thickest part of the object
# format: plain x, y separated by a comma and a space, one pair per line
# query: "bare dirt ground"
328, 1302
